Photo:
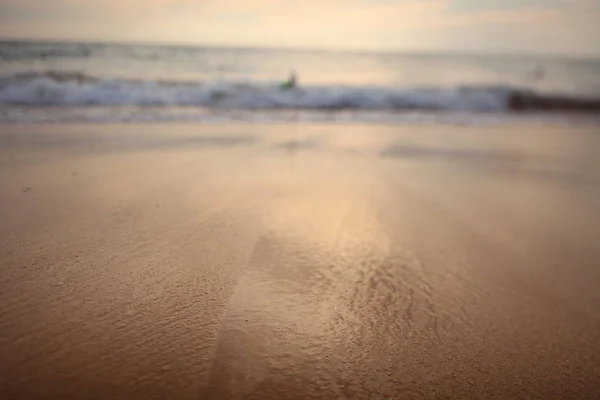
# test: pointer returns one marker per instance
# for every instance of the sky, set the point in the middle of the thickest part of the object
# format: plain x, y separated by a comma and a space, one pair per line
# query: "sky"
514, 26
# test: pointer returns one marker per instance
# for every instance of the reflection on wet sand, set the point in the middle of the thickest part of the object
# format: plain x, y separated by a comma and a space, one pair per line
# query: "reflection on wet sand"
304, 262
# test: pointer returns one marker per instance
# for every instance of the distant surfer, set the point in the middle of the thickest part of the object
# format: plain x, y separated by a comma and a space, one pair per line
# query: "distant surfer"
538, 73
290, 83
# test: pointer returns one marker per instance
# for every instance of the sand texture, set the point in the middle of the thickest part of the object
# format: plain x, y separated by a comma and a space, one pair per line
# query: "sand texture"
299, 262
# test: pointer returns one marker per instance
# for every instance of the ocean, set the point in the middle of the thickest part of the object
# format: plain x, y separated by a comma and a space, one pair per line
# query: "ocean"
95, 82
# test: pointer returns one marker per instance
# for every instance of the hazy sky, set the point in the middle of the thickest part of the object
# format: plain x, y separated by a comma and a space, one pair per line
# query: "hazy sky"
550, 26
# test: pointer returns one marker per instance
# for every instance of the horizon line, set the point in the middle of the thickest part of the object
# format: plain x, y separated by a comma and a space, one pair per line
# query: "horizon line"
274, 47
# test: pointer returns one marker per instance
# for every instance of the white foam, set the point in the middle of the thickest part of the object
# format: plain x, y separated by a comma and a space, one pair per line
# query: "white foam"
73, 89
76, 97
47, 115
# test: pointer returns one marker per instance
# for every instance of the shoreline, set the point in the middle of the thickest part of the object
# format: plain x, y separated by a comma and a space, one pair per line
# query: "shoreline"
24, 115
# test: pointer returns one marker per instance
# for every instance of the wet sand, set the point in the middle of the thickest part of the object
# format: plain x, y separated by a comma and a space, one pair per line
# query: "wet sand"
299, 262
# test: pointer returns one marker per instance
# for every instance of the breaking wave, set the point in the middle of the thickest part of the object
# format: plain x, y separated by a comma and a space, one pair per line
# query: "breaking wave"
76, 89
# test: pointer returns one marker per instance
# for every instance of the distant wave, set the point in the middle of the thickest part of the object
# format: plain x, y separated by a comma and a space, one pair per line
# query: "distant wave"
74, 89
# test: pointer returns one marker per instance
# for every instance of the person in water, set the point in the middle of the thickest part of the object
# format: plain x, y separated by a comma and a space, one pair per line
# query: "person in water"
538, 73
290, 83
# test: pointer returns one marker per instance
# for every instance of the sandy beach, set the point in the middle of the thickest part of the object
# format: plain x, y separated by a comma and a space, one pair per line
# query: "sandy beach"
299, 262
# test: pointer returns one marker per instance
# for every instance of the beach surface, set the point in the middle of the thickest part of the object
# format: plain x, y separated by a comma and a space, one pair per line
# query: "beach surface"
299, 262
